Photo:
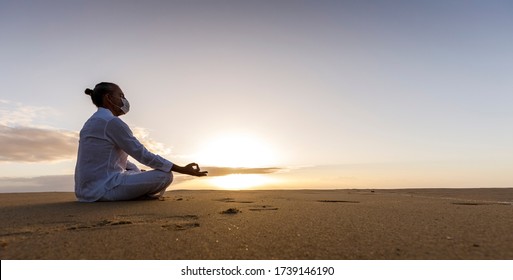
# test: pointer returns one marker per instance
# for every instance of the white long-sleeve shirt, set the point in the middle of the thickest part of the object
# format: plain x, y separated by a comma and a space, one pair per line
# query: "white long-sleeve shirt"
105, 143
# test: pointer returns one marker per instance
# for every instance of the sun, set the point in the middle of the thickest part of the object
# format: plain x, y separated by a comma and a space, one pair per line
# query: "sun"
236, 150
240, 181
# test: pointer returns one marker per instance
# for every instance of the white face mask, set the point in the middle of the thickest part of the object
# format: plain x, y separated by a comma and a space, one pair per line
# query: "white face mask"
126, 106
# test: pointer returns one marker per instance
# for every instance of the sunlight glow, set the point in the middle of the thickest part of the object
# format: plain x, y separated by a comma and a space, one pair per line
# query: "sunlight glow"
236, 151
240, 181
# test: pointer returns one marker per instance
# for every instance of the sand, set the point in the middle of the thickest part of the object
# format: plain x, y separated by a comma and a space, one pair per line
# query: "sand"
289, 224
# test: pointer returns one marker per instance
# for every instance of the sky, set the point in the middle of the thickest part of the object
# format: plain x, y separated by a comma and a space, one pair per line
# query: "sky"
334, 94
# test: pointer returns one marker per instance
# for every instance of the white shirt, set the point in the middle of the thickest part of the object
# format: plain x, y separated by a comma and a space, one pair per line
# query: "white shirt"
105, 143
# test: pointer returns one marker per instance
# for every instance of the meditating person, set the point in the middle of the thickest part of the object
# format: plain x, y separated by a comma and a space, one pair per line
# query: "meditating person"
102, 172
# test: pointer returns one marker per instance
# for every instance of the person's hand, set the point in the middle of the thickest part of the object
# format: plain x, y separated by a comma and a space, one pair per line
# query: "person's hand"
190, 169
194, 170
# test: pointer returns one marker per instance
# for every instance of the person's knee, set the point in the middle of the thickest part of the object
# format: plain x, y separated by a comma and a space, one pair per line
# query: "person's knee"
169, 178
162, 180
166, 178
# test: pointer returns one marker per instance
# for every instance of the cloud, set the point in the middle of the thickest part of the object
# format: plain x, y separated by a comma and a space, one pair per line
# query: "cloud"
52, 183
65, 183
30, 144
143, 135
24, 136
17, 114
23, 139
222, 171
60, 183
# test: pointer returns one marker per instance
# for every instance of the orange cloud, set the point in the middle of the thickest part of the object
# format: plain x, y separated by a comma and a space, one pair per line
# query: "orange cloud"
29, 144
222, 171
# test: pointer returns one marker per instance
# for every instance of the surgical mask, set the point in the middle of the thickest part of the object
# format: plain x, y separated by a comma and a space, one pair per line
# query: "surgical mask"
126, 106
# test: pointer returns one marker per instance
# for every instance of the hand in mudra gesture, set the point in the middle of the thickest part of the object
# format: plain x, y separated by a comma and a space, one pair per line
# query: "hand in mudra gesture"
192, 169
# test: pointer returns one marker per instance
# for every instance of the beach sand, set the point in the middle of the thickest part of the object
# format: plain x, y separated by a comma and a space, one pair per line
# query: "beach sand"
288, 224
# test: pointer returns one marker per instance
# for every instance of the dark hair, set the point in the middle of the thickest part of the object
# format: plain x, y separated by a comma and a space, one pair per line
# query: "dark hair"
99, 91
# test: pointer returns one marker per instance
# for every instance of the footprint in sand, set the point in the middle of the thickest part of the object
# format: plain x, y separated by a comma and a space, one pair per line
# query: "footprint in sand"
231, 211
339, 201
480, 203
181, 226
178, 223
263, 208
169, 222
103, 223
112, 223
227, 199
467, 203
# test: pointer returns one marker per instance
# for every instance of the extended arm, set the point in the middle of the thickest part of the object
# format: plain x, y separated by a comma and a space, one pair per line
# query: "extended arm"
121, 135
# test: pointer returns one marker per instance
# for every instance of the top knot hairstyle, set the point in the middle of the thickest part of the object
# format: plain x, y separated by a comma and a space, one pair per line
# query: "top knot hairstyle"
99, 91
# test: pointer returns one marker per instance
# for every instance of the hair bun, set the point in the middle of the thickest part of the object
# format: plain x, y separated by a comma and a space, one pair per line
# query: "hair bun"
88, 91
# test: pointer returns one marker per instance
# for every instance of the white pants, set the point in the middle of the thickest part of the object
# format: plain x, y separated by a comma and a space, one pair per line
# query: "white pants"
138, 184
